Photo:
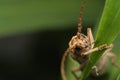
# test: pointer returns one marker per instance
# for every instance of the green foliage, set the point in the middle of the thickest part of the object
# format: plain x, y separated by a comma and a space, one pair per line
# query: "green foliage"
109, 28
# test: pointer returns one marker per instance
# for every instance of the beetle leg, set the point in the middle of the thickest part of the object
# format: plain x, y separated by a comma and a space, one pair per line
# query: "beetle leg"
113, 57
90, 36
74, 70
96, 70
104, 46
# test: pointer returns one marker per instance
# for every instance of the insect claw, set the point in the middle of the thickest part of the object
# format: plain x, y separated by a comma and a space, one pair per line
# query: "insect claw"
96, 70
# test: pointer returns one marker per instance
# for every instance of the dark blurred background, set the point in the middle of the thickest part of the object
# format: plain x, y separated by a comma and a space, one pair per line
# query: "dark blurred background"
34, 34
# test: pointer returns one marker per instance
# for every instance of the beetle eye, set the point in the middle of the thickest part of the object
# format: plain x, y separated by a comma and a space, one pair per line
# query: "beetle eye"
78, 48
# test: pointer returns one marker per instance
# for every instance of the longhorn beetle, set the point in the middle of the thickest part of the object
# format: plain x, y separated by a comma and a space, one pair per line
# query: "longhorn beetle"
81, 46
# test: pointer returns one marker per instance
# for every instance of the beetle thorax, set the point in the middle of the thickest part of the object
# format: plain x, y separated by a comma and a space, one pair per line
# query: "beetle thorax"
81, 43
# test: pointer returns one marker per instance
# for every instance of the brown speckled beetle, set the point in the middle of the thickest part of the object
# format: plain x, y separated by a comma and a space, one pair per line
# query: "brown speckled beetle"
81, 46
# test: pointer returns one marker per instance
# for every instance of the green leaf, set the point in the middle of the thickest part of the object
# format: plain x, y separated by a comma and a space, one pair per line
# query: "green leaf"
109, 28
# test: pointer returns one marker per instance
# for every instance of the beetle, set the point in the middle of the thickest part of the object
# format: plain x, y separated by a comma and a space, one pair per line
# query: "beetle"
81, 46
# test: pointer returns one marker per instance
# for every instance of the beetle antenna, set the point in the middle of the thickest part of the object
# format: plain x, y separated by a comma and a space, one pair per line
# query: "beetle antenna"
80, 17
63, 64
